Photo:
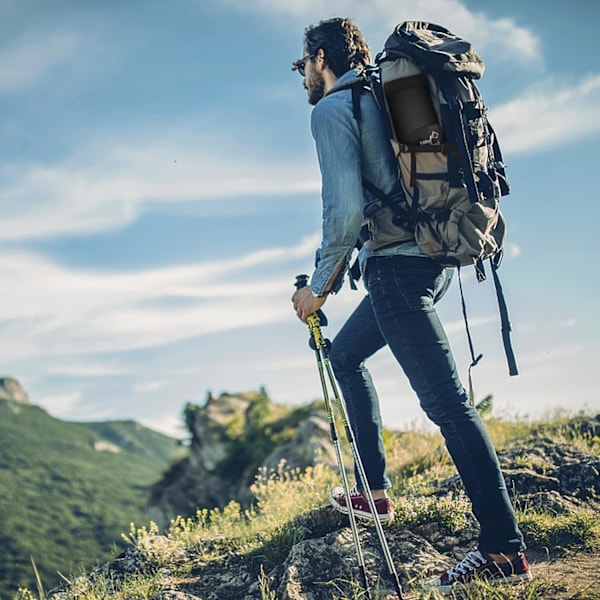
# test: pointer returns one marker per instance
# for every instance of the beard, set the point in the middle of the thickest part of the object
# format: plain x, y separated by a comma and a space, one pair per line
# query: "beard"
315, 86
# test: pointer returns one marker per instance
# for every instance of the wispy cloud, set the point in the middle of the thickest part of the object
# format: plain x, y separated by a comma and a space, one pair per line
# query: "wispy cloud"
378, 18
455, 327
83, 369
548, 114
30, 57
149, 386
47, 308
107, 185
61, 403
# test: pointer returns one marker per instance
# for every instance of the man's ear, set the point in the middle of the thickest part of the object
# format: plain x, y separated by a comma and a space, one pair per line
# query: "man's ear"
321, 56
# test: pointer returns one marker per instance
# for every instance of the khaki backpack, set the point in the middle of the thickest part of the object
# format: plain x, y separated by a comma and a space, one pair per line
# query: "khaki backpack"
450, 163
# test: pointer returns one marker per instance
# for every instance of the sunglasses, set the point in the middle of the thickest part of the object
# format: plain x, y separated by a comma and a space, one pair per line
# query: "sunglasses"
301, 62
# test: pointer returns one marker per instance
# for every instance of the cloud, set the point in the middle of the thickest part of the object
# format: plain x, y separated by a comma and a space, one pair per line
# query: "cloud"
550, 113
83, 369
512, 250
107, 185
145, 387
48, 309
454, 327
61, 404
31, 57
569, 323
377, 19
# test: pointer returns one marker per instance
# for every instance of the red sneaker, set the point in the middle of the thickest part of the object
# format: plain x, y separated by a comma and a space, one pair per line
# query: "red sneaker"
478, 566
360, 505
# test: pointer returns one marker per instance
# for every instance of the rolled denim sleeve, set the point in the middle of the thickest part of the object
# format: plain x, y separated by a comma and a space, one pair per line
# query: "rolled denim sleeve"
337, 141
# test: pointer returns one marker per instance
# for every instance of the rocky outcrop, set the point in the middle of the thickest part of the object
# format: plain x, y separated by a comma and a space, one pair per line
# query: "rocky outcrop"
547, 475
234, 437
11, 390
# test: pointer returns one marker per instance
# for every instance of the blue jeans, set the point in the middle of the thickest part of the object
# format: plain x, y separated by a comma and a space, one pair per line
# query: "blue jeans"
399, 311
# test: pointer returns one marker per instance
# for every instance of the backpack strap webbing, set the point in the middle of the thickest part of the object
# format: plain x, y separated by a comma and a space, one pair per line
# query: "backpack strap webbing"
474, 359
506, 327
405, 216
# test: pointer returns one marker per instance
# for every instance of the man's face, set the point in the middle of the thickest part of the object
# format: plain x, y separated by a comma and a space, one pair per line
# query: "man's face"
314, 82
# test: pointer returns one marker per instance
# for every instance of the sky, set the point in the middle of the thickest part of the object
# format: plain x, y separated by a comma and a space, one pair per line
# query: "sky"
159, 193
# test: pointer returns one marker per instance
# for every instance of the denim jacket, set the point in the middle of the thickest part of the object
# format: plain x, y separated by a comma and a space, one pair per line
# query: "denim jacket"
346, 154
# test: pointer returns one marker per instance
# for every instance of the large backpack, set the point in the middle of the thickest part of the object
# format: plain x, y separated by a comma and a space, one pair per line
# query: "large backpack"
449, 159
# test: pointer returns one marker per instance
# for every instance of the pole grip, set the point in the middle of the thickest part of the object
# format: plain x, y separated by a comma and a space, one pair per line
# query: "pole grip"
302, 281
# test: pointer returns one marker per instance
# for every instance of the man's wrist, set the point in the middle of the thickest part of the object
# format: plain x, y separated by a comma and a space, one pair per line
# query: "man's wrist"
322, 295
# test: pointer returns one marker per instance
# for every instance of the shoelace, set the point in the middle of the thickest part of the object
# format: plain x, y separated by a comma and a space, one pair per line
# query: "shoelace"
469, 563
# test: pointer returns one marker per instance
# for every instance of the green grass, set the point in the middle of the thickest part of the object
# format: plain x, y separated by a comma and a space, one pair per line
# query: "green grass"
572, 531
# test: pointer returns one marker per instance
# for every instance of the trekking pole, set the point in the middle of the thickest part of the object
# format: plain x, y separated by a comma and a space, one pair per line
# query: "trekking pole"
363, 479
314, 325
318, 343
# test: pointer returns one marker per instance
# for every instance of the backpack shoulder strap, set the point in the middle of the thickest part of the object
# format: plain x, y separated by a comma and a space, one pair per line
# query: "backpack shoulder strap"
367, 83
358, 85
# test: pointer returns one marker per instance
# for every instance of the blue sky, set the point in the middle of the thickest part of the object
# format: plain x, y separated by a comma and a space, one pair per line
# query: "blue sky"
160, 191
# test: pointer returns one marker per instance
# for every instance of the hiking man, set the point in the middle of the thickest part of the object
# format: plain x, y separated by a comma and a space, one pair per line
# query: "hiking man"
403, 286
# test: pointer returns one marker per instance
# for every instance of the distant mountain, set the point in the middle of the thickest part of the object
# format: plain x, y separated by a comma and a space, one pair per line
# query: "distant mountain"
69, 490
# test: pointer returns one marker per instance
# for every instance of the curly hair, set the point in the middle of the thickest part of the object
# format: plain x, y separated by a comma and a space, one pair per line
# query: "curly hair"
344, 45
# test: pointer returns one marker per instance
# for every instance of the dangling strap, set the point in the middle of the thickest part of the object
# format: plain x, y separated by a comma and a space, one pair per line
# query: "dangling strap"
356, 92
353, 275
504, 320
474, 360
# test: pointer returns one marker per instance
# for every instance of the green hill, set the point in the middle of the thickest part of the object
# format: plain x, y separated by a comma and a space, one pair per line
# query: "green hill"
69, 490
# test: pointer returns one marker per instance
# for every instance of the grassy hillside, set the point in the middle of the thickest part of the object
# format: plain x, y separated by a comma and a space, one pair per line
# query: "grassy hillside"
68, 491
228, 553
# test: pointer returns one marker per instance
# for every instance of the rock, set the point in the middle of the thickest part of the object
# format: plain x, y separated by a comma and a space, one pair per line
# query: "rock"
528, 481
210, 430
197, 482
581, 478
310, 446
551, 467
554, 466
552, 502
11, 390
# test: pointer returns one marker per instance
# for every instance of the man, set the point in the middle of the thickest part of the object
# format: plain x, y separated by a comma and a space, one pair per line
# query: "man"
403, 286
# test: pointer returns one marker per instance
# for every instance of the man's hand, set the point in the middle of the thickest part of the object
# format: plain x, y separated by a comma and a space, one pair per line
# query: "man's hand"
305, 304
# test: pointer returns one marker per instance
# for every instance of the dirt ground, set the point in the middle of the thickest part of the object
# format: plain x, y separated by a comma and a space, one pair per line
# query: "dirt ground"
572, 577
555, 577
